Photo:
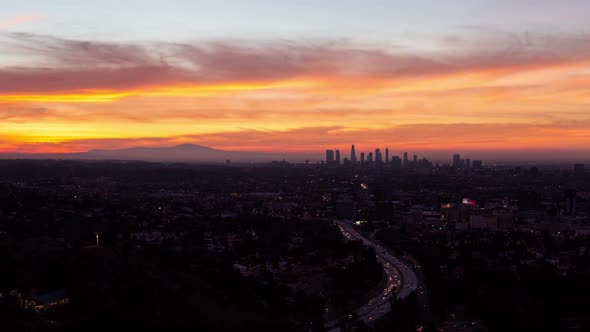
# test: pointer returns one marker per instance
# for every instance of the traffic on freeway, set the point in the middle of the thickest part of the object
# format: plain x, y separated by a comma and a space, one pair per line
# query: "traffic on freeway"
401, 279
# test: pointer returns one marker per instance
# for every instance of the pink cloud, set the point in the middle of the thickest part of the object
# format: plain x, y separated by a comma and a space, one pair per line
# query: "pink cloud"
75, 65
14, 20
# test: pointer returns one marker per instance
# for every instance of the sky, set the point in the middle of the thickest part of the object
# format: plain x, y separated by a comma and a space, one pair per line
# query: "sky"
480, 77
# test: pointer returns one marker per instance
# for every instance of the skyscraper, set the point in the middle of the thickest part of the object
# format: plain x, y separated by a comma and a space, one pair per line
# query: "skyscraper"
337, 157
329, 157
353, 155
362, 157
405, 159
415, 160
456, 160
396, 162
387, 155
370, 157
378, 157
467, 163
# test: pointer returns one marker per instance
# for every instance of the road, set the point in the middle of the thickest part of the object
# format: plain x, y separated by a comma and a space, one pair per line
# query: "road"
422, 294
400, 277
422, 297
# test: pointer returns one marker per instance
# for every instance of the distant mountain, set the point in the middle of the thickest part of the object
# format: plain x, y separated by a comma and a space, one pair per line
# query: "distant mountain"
179, 153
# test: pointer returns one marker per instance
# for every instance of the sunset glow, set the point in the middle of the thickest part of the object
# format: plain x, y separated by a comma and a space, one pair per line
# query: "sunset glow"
480, 90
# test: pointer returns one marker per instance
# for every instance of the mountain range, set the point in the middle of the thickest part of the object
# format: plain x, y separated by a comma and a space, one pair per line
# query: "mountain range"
179, 153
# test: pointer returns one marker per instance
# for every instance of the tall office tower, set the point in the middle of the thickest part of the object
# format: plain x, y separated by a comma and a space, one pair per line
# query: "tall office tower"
405, 159
415, 160
579, 169
387, 155
329, 157
378, 158
456, 160
370, 157
396, 162
337, 157
353, 155
476, 164
467, 163
424, 162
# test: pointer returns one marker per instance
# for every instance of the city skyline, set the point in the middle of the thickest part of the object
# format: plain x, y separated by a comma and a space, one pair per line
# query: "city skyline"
450, 81
332, 158
195, 153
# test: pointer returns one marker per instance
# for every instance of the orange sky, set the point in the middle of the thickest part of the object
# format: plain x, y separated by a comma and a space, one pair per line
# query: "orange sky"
81, 95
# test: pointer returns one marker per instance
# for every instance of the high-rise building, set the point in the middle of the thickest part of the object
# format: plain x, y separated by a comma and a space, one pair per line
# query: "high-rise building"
378, 157
362, 158
415, 160
329, 157
396, 162
370, 157
467, 163
406, 159
387, 155
337, 157
457, 161
353, 155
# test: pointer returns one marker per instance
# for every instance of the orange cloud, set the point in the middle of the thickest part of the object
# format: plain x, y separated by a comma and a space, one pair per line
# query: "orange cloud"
258, 97
559, 141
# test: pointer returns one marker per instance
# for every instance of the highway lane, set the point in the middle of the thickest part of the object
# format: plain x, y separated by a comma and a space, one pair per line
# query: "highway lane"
409, 282
400, 278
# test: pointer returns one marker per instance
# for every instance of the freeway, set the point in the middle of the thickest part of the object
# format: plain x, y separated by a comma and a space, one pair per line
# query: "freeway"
400, 278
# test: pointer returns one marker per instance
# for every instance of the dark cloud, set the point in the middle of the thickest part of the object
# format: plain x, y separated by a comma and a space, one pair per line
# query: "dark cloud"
59, 65
71, 80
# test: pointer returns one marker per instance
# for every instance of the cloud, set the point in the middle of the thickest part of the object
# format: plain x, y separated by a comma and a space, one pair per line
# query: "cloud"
495, 92
74, 65
21, 113
72, 80
15, 20
516, 141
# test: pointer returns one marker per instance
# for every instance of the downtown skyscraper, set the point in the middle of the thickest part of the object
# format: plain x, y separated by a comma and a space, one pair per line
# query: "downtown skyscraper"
353, 155
329, 157
457, 161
